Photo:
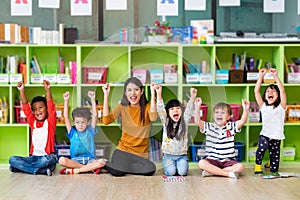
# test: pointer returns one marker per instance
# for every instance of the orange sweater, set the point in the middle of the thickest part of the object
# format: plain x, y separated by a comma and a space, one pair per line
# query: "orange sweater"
135, 135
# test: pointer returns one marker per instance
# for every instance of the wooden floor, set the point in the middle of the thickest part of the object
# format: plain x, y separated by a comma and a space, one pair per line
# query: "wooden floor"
18, 186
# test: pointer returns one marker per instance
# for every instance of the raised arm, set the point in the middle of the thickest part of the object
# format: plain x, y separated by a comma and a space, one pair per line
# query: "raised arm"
66, 96
257, 94
198, 120
21, 88
92, 95
106, 90
243, 120
47, 89
193, 93
280, 87
153, 100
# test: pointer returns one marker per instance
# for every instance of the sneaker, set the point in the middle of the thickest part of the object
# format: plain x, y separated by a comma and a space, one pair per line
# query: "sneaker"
234, 175
97, 171
275, 174
258, 170
267, 165
49, 172
63, 171
206, 174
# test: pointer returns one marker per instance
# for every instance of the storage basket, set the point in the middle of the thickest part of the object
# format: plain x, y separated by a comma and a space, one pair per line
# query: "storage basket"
156, 75
103, 150
140, 74
94, 74
60, 114
288, 153
292, 113
3, 114
99, 110
62, 150
198, 151
236, 109
20, 116
222, 76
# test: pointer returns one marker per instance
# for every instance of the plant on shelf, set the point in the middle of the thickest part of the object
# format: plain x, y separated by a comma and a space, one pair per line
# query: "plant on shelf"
160, 33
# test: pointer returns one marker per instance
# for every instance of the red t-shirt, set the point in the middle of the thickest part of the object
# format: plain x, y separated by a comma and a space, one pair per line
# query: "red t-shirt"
51, 125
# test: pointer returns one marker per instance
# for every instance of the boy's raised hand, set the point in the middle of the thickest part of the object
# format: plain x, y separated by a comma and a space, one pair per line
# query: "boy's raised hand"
92, 94
245, 104
66, 95
198, 102
46, 84
20, 85
193, 92
106, 89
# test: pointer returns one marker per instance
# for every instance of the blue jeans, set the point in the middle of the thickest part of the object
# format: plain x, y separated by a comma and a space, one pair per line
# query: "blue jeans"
175, 164
32, 164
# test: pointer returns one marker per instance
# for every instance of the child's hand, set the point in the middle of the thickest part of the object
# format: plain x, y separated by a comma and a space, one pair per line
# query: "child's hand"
198, 102
20, 85
92, 94
158, 89
152, 88
106, 89
273, 71
245, 104
193, 92
262, 71
66, 95
46, 84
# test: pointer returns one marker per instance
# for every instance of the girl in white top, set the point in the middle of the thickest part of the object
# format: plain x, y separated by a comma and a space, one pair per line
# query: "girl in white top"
272, 107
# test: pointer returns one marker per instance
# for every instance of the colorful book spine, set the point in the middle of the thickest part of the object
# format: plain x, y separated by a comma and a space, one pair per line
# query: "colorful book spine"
73, 66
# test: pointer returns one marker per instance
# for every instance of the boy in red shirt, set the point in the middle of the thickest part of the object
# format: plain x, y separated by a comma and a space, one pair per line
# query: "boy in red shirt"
41, 116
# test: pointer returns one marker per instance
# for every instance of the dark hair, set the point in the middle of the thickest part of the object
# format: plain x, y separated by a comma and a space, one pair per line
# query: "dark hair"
37, 99
82, 112
143, 100
278, 100
171, 132
222, 106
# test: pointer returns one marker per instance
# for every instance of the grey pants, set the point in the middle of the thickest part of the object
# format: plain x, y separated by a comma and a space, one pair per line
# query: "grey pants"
123, 163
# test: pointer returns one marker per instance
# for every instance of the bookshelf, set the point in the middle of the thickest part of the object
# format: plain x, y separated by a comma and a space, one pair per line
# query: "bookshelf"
121, 60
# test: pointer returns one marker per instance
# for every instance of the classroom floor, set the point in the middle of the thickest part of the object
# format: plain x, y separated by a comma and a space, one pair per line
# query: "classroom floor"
18, 186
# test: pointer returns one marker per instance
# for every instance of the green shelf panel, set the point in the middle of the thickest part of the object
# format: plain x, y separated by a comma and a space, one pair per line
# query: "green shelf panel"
14, 141
47, 56
115, 57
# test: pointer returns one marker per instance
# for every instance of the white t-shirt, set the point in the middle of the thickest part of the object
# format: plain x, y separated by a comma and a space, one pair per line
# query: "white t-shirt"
272, 122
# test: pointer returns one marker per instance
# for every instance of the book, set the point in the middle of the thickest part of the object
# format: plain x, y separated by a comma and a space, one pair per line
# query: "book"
182, 34
173, 178
36, 64
2, 32
218, 64
24, 34
280, 175
203, 27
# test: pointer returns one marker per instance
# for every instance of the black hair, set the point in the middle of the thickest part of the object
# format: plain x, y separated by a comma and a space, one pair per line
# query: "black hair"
171, 130
82, 112
278, 100
143, 100
37, 99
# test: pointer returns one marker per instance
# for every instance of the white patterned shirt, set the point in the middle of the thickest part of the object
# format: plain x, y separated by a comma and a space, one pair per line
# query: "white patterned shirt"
174, 146
219, 143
